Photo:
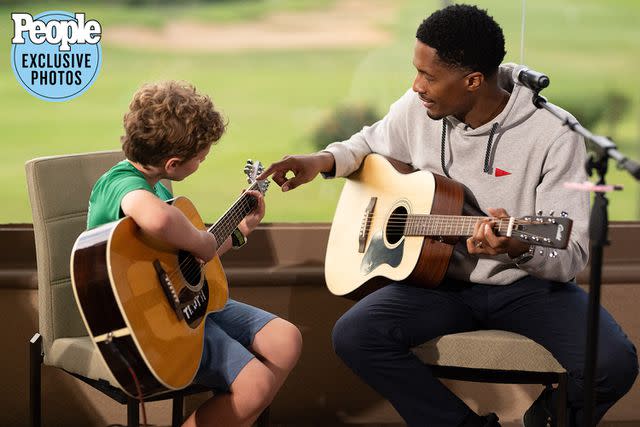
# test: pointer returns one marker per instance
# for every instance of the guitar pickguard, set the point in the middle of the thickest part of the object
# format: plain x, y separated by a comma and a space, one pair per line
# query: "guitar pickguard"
378, 254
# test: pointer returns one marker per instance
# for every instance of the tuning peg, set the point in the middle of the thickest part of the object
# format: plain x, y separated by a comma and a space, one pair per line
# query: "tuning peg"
553, 254
249, 161
563, 214
551, 213
539, 213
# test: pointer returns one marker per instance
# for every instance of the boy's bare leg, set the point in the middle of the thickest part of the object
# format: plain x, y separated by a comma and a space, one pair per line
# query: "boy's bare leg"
278, 345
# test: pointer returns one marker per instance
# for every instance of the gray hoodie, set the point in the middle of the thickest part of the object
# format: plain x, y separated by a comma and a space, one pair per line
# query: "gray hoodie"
521, 168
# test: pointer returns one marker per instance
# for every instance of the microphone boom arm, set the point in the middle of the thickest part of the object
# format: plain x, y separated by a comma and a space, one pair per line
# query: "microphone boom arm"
600, 145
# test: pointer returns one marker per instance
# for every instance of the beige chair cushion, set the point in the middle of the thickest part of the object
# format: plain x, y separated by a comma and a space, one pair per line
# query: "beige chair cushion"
488, 349
79, 355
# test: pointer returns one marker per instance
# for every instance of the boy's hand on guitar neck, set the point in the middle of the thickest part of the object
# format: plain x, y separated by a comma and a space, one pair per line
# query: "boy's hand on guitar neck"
251, 221
304, 167
485, 241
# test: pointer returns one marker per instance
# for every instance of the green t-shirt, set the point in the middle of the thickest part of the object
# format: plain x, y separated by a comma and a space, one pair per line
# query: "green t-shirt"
108, 191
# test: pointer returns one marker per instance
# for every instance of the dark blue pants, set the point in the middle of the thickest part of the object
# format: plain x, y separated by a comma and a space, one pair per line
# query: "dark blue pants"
374, 337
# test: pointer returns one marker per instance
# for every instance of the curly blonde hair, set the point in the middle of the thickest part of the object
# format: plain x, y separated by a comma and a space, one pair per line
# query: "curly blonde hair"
169, 119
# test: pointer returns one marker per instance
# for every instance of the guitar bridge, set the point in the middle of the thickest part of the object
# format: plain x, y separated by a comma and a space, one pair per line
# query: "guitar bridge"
169, 290
366, 224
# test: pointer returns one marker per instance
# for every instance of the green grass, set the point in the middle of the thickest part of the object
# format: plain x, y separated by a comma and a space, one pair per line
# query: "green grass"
157, 13
274, 99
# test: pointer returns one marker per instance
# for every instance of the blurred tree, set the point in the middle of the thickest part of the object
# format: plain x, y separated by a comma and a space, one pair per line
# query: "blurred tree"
343, 122
617, 106
610, 107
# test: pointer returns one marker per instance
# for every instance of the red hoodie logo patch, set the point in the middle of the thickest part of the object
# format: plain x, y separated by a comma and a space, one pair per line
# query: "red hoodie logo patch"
500, 172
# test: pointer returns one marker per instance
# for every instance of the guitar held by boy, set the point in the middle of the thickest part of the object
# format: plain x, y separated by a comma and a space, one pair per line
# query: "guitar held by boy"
144, 302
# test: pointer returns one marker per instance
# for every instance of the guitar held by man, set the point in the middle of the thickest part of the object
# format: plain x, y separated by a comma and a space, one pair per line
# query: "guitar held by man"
395, 223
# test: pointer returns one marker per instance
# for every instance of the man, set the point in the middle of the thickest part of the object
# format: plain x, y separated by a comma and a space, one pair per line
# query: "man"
470, 122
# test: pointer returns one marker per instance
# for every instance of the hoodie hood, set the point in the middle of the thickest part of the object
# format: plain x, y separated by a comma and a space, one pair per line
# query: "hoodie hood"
519, 107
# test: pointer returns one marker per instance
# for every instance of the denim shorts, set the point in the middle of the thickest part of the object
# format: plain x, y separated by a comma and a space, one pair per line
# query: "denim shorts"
228, 334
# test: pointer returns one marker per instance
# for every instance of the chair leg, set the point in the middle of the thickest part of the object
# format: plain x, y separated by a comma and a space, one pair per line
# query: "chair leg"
35, 380
177, 413
263, 419
133, 413
561, 404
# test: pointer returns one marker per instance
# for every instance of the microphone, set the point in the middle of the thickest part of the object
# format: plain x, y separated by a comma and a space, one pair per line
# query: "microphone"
532, 79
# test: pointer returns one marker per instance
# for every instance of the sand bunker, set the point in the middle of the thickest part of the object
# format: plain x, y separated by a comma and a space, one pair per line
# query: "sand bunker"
349, 23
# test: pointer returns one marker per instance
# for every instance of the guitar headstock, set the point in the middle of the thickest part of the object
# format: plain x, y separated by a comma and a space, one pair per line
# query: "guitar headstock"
541, 230
252, 170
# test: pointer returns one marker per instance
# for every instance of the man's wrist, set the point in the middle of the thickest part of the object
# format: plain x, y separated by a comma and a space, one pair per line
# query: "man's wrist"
326, 161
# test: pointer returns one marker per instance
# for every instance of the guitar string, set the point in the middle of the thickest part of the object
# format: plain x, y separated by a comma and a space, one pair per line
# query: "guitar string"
195, 267
189, 265
445, 220
225, 222
402, 228
455, 222
433, 224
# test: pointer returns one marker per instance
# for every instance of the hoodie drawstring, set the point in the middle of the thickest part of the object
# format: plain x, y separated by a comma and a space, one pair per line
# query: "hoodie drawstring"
487, 168
442, 142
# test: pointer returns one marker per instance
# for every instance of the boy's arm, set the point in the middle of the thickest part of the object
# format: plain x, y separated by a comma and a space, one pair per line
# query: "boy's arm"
168, 223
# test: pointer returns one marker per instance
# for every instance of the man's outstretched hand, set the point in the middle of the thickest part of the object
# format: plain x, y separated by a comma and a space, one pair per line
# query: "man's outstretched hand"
304, 167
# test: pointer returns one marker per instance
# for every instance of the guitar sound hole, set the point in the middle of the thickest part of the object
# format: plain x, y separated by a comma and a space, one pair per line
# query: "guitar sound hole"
395, 225
190, 267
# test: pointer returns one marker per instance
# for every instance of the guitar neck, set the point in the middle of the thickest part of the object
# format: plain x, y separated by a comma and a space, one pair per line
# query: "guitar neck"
223, 228
449, 225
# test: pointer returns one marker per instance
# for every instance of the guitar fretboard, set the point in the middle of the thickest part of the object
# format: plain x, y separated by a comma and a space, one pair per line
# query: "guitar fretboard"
223, 228
447, 225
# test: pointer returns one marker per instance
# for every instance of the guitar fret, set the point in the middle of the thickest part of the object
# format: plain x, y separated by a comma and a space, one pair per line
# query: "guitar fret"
223, 228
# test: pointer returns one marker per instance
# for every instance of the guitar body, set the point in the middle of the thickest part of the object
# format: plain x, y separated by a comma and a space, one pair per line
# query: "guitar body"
124, 304
360, 261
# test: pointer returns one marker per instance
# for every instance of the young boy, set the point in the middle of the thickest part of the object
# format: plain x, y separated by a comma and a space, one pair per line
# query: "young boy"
169, 130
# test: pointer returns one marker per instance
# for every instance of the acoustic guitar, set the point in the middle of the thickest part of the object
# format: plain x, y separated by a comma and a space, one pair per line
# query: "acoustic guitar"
393, 223
144, 302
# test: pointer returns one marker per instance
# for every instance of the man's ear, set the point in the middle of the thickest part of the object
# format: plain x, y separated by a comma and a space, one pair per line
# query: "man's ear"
474, 81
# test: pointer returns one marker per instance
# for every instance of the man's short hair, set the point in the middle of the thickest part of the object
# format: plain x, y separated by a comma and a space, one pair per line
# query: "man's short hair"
464, 37
169, 119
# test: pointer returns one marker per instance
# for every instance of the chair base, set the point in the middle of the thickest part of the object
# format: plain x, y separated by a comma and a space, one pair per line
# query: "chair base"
511, 377
36, 358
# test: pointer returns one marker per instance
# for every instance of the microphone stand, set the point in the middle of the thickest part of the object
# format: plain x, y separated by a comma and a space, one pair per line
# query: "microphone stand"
602, 149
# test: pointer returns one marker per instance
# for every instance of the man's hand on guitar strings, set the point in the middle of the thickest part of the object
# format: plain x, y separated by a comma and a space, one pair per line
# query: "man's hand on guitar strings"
485, 241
